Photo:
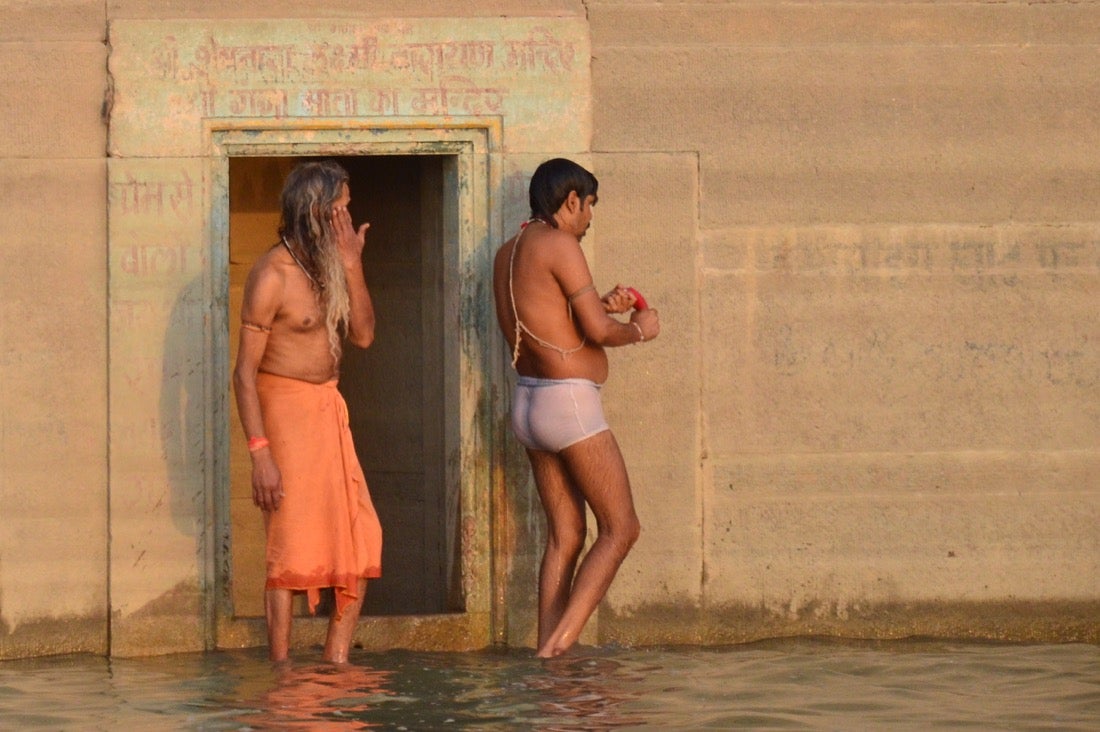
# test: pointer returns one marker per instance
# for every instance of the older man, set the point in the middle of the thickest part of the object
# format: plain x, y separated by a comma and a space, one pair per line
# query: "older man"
301, 299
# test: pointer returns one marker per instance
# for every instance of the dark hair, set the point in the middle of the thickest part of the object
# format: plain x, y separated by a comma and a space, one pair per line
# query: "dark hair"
309, 192
552, 182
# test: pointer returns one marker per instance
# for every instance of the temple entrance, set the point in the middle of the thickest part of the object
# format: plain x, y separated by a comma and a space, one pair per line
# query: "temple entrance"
396, 390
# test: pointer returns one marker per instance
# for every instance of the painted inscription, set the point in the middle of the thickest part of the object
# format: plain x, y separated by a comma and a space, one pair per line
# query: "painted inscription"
540, 50
156, 217
154, 196
1011, 253
375, 74
970, 302
157, 259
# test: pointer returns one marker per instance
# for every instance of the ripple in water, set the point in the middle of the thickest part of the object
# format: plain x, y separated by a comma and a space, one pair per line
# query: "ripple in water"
797, 685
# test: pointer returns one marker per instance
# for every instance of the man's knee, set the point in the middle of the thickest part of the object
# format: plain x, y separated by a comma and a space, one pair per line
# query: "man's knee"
567, 542
634, 530
624, 534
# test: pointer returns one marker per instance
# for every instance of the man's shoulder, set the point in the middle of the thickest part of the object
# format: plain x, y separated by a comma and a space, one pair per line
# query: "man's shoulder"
503, 248
270, 268
561, 246
556, 240
274, 258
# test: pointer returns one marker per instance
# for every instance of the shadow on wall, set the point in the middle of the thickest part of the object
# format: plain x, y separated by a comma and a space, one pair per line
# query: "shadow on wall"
182, 412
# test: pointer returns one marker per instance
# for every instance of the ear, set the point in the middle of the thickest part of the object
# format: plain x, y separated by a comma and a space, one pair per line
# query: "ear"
573, 202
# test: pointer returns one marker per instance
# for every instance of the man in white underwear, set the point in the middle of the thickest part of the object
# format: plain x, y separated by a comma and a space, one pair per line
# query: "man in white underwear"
558, 326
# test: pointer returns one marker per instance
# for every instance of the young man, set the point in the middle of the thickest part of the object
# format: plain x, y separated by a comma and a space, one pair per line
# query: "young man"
301, 299
558, 327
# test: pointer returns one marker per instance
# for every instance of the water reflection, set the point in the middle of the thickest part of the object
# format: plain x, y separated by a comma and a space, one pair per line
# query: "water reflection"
809, 685
583, 694
322, 697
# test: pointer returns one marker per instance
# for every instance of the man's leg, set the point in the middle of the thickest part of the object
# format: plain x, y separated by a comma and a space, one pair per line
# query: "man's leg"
597, 469
565, 534
277, 607
340, 632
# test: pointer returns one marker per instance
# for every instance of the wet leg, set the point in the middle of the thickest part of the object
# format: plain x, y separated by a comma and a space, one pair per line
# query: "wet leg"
277, 608
340, 632
565, 534
597, 469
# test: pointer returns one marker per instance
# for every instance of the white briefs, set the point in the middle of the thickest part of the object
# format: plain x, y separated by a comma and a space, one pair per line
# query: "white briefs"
552, 414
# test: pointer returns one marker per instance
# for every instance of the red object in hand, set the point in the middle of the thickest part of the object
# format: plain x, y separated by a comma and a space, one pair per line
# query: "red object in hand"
639, 301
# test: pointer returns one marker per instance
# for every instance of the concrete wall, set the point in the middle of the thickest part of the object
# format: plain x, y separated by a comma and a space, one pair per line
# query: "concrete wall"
872, 232
875, 408
53, 339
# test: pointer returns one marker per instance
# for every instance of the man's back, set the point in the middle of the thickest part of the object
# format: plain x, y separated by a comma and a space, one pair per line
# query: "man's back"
532, 270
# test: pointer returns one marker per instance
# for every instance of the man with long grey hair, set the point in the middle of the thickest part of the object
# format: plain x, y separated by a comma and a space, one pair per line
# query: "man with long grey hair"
301, 300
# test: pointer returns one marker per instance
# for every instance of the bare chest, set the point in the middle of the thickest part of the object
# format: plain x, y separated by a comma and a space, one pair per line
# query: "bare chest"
301, 313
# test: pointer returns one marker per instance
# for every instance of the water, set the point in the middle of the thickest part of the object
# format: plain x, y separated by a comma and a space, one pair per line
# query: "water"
788, 685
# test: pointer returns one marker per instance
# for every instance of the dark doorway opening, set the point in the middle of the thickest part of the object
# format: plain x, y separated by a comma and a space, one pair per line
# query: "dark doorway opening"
395, 389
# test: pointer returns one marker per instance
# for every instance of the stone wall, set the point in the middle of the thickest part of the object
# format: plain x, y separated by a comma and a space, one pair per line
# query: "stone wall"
53, 336
874, 409
871, 229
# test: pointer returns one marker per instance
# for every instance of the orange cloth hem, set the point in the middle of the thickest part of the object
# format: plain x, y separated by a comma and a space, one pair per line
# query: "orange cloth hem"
343, 585
326, 532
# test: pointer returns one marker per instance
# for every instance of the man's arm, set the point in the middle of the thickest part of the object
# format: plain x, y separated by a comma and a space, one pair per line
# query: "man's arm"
571, 271
262, 296
361, 307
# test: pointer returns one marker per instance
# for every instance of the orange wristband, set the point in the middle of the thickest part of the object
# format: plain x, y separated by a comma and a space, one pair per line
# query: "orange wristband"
257, 443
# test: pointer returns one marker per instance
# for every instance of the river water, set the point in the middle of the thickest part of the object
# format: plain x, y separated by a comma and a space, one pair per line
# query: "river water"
781, 685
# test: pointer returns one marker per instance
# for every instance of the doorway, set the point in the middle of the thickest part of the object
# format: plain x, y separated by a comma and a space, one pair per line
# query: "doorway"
397, 391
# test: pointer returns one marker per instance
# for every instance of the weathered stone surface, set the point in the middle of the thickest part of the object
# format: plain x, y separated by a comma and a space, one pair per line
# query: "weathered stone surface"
826, 533
910, 339
53, 405
42, 21
870, 229
896, 274
833, 112
54, 106
644, 227
710, 23
159, 321
251, 9
1010, 620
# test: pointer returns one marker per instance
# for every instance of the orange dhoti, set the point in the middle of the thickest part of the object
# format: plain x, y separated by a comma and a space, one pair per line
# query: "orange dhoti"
325, 532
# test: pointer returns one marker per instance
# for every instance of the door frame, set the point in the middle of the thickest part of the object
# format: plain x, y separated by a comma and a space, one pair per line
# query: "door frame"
471, 229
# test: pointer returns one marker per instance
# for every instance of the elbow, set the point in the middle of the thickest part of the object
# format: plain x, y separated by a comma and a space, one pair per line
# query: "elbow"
239, 378
244, 373
362, 342
362, 339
